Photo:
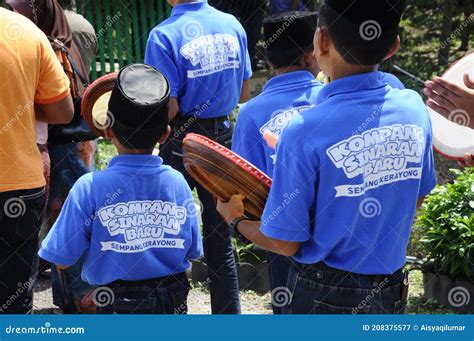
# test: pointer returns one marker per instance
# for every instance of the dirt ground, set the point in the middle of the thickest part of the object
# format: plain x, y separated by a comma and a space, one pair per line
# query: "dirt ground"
198, 301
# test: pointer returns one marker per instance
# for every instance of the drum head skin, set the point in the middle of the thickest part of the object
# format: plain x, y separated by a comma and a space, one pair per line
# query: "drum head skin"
223, 173
95, 103
451, 137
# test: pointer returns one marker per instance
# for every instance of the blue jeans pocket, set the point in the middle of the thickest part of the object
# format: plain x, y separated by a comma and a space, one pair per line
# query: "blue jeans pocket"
135, 306
326, 308
399, 307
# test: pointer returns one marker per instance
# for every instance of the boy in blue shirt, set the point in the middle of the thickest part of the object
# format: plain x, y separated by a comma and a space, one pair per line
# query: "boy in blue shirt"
135, 218
349, 174
294, 89
203, 52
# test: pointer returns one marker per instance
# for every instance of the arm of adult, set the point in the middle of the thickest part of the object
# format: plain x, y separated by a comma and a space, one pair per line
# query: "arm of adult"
448, 98
251, 229
245, 95
60, 112
53, 103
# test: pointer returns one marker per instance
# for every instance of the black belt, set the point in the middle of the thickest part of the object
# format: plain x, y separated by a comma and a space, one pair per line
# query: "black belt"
152, 282
211, 123
397, 275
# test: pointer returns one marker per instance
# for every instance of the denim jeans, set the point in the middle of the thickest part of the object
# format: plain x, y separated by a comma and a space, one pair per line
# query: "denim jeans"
167, 295
20, 220
224, 284
319, 289
69, 162
69, 288
278, 271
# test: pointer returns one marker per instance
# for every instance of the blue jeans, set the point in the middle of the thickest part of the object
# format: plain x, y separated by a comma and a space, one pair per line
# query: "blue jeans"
278, 271
20, 220
223, 284
319, 289
167, 295
67, 167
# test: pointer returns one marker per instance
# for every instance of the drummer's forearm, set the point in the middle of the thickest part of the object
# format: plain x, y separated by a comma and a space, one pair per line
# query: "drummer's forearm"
251, 231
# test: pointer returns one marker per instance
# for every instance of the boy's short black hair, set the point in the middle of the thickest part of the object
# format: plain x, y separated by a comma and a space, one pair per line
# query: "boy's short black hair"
362, 33
138, 106
288, 36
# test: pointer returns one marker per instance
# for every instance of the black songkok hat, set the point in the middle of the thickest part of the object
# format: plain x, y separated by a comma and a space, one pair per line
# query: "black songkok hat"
385, 13
289, 35
139, 104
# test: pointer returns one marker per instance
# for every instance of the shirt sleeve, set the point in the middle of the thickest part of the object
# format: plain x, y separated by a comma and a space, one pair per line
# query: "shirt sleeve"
70, 235
160, 55
53, 84
289, 212
195, 250
428, 173
247, 140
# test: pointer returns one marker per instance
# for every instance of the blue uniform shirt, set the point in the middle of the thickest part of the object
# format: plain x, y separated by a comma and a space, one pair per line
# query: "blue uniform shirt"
203, 53
281, 6
348, 175
136, 219
282, 97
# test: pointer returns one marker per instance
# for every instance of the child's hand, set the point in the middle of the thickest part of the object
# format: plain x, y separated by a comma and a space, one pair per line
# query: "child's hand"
232, 209
271, 139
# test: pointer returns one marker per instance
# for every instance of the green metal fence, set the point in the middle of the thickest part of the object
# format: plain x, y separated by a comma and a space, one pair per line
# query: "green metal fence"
122, 28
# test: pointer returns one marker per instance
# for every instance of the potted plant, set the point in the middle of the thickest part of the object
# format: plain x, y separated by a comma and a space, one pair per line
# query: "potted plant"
446, 224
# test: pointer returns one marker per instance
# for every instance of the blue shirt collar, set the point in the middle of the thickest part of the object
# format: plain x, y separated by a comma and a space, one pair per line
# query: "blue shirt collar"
363, 81
136, 160
289, 79
189, 6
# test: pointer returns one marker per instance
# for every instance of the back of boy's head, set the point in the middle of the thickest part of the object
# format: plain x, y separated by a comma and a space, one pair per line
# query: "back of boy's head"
138, 106
362, 31
288, 36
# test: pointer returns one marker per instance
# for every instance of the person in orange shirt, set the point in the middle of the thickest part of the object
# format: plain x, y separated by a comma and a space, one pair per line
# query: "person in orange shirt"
34, 87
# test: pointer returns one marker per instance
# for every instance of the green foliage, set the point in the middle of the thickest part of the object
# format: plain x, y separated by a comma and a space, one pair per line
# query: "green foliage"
446, 222
105, 152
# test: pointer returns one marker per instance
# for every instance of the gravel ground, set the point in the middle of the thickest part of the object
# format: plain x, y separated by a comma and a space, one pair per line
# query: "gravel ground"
198, 301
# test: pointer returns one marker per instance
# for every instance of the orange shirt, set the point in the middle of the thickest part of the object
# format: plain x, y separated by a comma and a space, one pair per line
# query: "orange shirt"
29, 73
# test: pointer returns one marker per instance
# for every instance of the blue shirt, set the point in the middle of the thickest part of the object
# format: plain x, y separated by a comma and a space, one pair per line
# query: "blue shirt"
203, 53
281, 6
136, 219
282, 97
348, 175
